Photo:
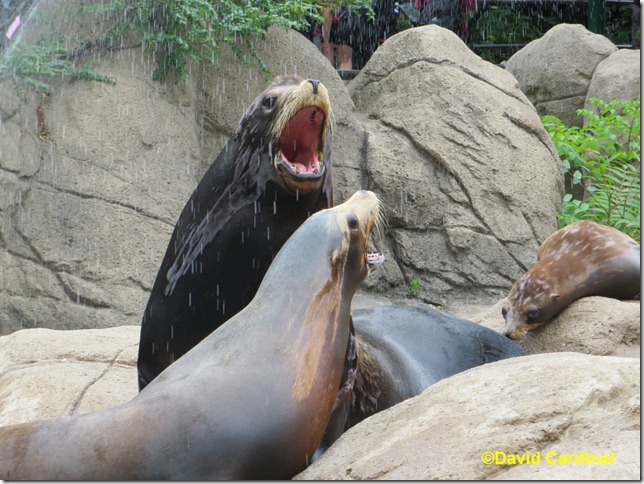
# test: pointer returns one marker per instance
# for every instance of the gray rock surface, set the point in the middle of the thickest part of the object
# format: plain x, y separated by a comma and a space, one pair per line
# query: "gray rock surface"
47, 374
617, 77
565, 403
554, 404
555, 71
468, 175
94, 177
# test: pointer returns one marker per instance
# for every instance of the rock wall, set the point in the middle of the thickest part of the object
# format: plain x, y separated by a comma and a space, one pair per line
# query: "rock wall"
469, 176
557, 70
94, 176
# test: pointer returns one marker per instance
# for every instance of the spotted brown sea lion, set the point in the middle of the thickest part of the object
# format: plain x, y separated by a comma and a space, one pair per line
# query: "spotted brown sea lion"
402, 350
271, 176
579, 260
250, 401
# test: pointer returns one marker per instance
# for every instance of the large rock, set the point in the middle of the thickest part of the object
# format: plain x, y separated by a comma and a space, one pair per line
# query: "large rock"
48, 374
468, 175
591, 325
616, 78
555, 71
546, 405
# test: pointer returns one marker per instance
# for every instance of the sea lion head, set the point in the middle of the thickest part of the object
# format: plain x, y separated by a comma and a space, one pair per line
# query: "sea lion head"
581, 259
332, 246
357, 218
287, 129
532, 302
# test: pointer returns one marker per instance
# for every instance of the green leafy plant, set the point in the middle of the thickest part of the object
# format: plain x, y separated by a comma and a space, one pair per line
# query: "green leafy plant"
414, 285
35, 65
603, 159
176, 31
179, 31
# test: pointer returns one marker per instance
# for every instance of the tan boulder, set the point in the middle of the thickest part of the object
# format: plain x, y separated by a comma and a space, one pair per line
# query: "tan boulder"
617, 77
46, 373
469, 177
555, 71
547, 405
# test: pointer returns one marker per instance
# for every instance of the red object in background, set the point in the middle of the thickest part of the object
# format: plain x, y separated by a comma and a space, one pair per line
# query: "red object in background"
13, 27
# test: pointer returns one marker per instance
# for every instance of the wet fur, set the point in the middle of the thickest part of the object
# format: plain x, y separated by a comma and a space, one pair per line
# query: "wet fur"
251, 401
231, 228
579, 260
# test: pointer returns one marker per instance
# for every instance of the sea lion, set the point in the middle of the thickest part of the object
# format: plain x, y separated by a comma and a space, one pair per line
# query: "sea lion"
271, 176
402, 350
582, 259
250, 401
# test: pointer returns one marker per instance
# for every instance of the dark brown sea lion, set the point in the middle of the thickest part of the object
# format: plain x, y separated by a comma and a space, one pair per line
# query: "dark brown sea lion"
271, 176
579, 260
402, 350
251, 401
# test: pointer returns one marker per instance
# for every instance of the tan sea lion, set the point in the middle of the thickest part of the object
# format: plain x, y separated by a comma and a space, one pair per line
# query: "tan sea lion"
251, 401
273, 173
579, 260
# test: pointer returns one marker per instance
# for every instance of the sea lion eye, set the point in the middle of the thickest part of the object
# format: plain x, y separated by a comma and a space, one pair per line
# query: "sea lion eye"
532, 314
352, 220
269, 101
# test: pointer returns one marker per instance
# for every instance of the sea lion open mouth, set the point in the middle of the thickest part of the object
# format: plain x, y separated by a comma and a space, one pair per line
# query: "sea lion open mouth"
299, 146
374, 260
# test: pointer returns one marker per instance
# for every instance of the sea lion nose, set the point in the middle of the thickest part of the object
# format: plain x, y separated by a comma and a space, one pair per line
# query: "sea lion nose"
314, 83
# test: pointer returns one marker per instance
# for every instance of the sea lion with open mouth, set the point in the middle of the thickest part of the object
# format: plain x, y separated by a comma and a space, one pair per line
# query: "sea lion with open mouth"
271, 176
250, 401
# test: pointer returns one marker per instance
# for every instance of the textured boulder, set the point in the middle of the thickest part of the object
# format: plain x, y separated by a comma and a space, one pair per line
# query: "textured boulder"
617, 77
555, 71
545, 405
47, 374
591, 325
468, 175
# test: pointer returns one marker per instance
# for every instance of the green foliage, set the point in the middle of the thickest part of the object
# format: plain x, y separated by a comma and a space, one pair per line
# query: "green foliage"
177, 31
414, 284
34, 65
603, 159
196, 29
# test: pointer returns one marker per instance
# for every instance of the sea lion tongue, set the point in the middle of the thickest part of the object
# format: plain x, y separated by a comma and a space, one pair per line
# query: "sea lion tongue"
299, 145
